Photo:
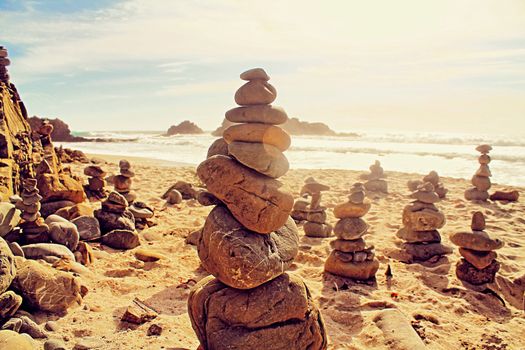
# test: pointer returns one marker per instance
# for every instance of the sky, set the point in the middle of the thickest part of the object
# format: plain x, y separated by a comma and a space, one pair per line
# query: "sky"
444, 66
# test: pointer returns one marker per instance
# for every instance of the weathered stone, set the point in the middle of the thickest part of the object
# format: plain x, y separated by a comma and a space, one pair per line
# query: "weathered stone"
226, 318
9, 304
484, 159
194, 237
141, 210
206, 199
112, 221
41, 250
84, 254
64, 233
312, 186
122, 183
7, 266
74, 211
511, 196
16, 249
138, 313
173, 197
423, 220
417, 206
478, 221
51, 207
23, 324
12, 340
480, 260
319, 230
424, 251
148, 255
467, 272
316, 216
255, 92
348, 246
483, 171
96, 184
154, 330
481, 183
94, 171
243, 259
60, 187
185, 188
477, 240
54, 344
351, 210
350, 228
356, 270
377, 186
218, 147
45, 288
258, 133
88, 228
418, 236
9, 218
425, 197
398, 331
265, 159
266, 114
473, 194
253, 199
121, 239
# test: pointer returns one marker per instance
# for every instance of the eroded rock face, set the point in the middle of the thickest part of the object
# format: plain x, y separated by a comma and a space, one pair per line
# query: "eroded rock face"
284, 316
45, 288
243, 259
254, 199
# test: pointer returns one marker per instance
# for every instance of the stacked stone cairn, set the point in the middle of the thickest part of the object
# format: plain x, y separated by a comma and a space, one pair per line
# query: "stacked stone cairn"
122, 182
249, 239
4, 62
96, 182
421, 220
34, 229
434, 179
481, 179
351, 257
316, 225
479, 264
300, 209
375, 180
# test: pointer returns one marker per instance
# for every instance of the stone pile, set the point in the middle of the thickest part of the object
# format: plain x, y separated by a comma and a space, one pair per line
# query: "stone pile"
96, 182
421, 220
249, 238
300, 209
4, 62
315, 225
434, 179
117, 223
34, 229
375, 180
351, 256
481, 179
479, 264
122, 182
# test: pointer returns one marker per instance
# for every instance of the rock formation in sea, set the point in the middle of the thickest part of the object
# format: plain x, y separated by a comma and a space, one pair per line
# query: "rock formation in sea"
249, 239
293, 126
61, 131
185, 127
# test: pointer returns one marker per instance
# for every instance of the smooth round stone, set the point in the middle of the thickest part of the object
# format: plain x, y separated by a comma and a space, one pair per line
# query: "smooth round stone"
481, 183
10, 340
477, 240
484, 148
346, 246
280, 314
483, 171
317, 230
94, 171
265, 159
473, 194
425, 197
424, 251
467, 272
356, 270
350, 228
255, 74
65, 233
254, 200
484, 159
510, 196
173, 197
478, 221
88, 227
260, 133
255, 92
266, 114
423, 220
357, 197
432, 177
9, 218
148, 255
241, 258
41, 250
3, 53
7, 266
440, 190
122, 183
351, 210
479, 259
377, 185
121, 239
301, 204
316, 216
417, 206
218, 147
141, 210
207, 199
411, 236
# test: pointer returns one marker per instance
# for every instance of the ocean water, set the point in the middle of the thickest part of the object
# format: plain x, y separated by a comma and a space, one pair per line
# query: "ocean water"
451, 155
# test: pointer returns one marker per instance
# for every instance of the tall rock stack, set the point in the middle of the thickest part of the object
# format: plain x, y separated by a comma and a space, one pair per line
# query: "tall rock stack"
96, 182
249, 239
375, 180
479, 264
481, 179
122, 182
351, 256
4, 62
421, 220
34, 229
316, 225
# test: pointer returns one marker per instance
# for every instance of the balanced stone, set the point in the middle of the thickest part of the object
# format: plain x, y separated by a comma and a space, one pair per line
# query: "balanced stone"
412, 236
423, 220
266, 114
425, 251
255, 92
483, 171
94, 171
479, 259
265, 159
478, 221
473, 194
350, 228
258, 133
255, 74
346, 246
318, 230
243, 259
218, 147
481, 183
465, 271
477, 240
484, 149
351, 210
65, 233
357, 270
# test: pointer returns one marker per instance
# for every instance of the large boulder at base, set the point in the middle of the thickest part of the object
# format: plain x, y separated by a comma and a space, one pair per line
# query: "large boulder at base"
278, 315
46, 288
60, 187
241, 258
218, 147
10, 340
41, 250
254, 199
7, 266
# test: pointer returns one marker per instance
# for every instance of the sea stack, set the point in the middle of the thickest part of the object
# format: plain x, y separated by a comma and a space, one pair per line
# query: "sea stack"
34, 229
421, 220
96, 182
316, 225
4, 62
481, 179
249, 238
479, 264
123, 181
351, 256
375, 180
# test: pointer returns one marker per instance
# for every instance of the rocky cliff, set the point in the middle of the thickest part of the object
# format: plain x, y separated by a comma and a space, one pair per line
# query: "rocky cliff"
61, 131
186, 127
